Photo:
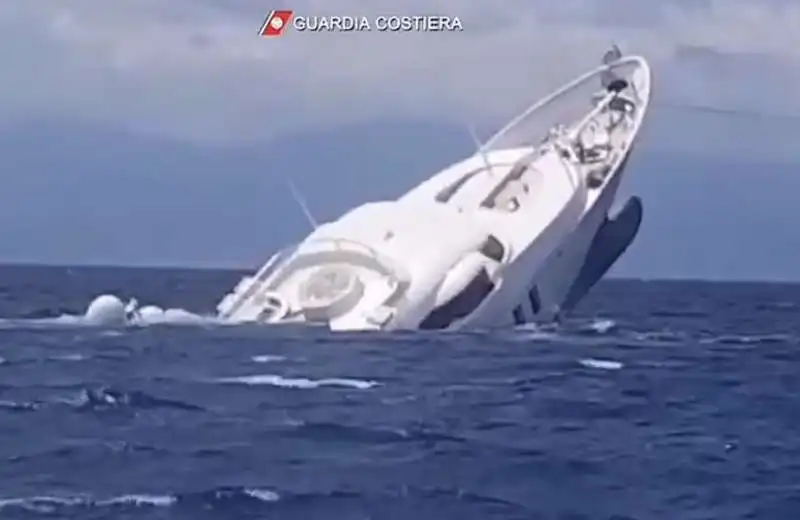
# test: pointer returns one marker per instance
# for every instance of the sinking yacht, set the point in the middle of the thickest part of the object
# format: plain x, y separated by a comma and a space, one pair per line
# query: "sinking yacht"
517, 233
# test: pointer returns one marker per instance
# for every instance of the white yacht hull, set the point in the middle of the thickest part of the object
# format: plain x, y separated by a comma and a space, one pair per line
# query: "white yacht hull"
613, 238
548, 288
516, 233
561, 271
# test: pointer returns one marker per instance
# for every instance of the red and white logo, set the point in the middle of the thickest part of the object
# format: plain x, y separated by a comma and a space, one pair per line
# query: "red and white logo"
275, 23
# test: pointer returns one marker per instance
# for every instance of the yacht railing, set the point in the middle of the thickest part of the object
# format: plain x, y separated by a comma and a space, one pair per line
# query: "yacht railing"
283, 260
596, 111
563, 106
332, 245
339, 244
258, 280
569, 168
560, 142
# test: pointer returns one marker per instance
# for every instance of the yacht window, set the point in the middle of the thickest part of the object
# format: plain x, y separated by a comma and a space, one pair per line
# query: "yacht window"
621, 104
533, 297
447, 194
519, 316
273, 307
493, 249
462, 305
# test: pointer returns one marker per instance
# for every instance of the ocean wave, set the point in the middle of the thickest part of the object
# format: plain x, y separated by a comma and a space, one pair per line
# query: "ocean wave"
297, 382
218, 497
101, 399
244, 500
602, 364
267, 358
755, 339
15, 406
110, 398
362, 434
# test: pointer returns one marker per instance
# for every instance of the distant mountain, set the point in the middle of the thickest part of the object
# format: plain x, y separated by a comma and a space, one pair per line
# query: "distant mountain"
84, 193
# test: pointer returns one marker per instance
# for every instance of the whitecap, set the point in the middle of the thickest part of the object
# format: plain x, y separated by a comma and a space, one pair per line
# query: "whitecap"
69, 357
40, 504
532, 332
140, 500
751, 340
267, 358
15, 406
48, 504
602, 326
265, 495
298, 382
602, 364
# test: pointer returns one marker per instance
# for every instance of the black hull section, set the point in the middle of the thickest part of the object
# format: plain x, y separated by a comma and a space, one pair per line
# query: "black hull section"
612, 239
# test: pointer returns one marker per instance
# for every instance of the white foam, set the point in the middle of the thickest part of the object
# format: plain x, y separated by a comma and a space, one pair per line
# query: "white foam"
108, 310
298, 382
265, 495
602, 326
602, 364
40, 503
45, 504
69, 357
49, 504
140, 500
267, 358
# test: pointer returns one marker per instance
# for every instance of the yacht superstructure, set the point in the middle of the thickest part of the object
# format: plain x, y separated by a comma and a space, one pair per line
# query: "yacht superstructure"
518, 232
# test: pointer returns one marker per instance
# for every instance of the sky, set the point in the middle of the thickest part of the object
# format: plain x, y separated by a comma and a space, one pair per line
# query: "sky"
144, 132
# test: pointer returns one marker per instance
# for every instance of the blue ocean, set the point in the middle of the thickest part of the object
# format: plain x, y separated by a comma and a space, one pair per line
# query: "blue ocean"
654, 401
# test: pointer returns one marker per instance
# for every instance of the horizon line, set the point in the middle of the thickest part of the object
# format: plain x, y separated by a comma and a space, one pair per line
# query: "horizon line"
241, 268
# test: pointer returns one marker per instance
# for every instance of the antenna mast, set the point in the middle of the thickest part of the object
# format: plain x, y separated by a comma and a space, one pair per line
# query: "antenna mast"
480, 149
302, 203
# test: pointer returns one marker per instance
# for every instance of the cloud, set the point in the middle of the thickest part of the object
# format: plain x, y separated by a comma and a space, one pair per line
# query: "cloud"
196, 69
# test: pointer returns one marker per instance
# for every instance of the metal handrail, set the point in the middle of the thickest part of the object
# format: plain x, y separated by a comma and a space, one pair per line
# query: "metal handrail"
569, 171
264, 274
637, 61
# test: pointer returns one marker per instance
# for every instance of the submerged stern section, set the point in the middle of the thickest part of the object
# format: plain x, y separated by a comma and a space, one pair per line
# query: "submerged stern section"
613, 238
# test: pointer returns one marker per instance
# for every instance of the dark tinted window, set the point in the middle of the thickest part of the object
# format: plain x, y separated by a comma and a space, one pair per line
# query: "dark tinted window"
493, 249
533, 297
461, 305
519, 316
